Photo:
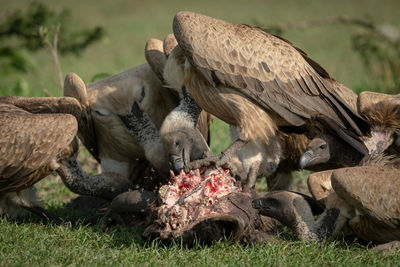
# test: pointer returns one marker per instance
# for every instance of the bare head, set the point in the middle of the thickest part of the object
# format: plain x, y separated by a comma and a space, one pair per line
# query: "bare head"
317, 152
330, 150
183, 145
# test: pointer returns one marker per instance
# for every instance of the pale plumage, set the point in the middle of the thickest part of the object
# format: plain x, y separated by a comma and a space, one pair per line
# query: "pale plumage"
113, 96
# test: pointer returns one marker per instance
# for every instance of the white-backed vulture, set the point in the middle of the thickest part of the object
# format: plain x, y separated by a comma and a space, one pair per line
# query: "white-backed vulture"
106, 185
256, 81
364, 197
33, 140
195, 127
157, 53
382, 113
105, 100
280, 157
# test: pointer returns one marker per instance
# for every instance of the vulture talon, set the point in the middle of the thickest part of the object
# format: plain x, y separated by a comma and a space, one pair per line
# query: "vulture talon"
220, 160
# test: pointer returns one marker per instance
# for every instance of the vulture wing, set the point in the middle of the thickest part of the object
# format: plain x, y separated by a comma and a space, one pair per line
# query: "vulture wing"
28, 142
372, 190
267, 69
154, 54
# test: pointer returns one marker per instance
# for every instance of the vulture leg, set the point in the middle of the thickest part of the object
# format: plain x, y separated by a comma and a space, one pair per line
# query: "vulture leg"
105, 185
296, 211
252, 177
142, 128
223, 159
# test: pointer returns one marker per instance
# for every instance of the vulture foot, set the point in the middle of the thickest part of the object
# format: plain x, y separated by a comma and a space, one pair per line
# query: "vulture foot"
224, 159
220, 160
45, 214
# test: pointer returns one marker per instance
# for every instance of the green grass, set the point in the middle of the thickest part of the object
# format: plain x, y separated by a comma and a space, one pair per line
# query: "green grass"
128, 25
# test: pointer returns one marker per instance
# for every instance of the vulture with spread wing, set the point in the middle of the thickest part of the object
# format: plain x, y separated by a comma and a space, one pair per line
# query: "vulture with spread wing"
257, 81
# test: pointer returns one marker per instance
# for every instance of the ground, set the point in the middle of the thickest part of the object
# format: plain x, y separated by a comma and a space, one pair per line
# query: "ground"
128, 25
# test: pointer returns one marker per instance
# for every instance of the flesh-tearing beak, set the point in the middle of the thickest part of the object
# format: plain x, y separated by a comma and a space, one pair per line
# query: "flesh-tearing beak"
177, 163
306, 158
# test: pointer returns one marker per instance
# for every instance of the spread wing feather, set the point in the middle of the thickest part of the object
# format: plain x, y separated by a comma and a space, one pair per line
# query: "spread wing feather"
268, 70
28, 142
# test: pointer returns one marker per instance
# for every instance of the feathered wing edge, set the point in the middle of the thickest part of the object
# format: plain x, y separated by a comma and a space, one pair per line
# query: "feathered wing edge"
314, 83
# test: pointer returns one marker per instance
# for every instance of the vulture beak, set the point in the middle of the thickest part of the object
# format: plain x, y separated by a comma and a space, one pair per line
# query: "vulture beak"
257, 204
306, 158
177, 163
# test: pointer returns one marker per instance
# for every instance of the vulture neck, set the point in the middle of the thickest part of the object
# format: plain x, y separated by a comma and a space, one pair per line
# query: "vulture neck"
81, 183
187, 109
319, 230
346, 156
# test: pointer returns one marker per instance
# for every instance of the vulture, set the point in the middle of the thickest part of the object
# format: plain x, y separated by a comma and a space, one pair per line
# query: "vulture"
196, 122
280, 157
255, 81
107, 138
363, 197
382, 112
123, 155
35, 135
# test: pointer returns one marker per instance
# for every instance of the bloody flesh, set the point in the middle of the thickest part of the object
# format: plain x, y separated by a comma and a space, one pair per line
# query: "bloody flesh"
188, 196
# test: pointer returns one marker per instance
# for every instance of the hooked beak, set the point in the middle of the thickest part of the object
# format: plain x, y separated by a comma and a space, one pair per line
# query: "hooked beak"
257, 204
176, 163
306, 158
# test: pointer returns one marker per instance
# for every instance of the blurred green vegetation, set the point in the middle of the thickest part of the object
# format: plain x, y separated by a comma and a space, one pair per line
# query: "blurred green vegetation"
128, 24
23, 32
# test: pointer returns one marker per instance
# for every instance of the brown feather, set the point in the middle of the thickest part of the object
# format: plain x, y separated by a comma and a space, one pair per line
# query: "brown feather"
372, 190
169, 44
29, 143
266, 70
384, 115
203, 124
154, 54
367, 100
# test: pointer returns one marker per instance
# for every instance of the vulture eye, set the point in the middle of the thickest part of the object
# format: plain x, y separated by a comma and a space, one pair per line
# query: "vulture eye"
322, 146
102, 112
177, 142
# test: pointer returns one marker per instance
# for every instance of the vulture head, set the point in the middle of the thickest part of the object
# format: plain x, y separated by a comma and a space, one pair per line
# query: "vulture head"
382, 112
329, 149
182, 140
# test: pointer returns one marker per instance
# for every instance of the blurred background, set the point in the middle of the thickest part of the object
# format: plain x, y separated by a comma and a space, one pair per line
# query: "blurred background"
116, 32
356, 41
